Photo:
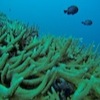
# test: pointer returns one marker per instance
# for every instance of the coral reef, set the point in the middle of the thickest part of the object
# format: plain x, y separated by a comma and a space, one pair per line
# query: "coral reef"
47, 68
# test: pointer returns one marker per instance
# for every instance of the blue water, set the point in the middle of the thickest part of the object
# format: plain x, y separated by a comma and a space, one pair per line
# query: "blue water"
48, 15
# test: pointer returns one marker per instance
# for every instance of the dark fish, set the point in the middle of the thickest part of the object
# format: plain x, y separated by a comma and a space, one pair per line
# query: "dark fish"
65, 88
71, 10
87, 22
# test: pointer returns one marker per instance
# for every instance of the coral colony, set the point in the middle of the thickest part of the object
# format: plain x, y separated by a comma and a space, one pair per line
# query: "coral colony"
47, 68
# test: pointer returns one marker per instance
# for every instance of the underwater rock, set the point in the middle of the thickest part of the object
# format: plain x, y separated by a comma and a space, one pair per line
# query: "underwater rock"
71, 10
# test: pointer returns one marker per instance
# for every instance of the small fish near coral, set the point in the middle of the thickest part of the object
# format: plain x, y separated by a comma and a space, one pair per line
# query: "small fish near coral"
64, 88
71, 10
87, 22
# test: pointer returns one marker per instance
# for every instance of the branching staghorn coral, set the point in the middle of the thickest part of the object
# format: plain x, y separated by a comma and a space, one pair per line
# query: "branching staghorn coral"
47, 68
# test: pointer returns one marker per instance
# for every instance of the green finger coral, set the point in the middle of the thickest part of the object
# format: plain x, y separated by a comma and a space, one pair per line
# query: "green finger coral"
48, 68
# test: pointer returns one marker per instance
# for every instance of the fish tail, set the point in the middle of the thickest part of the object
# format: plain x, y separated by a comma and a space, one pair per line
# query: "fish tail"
82, 22
65, 11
